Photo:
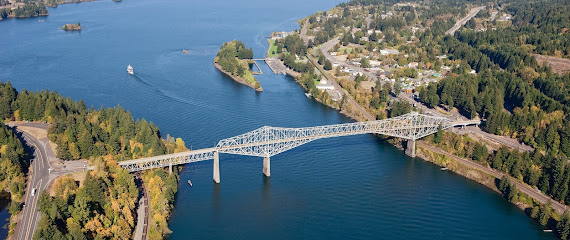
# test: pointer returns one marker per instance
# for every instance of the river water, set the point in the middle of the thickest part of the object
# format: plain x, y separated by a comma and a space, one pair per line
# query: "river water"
351, 187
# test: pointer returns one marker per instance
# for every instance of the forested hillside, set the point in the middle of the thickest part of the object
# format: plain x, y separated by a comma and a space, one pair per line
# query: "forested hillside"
515, 95
103, 206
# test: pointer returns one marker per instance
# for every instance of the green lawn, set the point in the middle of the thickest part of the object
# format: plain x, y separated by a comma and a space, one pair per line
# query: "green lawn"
248, 76
348, 50
272, 48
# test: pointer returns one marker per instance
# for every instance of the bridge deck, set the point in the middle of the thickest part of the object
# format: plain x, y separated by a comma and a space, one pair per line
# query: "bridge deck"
269, 141
172, 155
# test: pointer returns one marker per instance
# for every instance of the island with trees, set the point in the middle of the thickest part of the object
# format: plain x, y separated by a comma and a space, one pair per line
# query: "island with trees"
72, 27
234, 60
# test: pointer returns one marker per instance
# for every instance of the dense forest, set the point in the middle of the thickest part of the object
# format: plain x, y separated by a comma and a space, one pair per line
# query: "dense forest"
27, 10
515, 95
102, 208
13, 165
103, 205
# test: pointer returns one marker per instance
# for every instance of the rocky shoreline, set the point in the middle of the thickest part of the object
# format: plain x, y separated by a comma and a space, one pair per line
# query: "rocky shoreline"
71, 27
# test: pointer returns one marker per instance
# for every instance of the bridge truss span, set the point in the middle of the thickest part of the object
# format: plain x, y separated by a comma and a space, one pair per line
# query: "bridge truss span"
269, 141
168, 160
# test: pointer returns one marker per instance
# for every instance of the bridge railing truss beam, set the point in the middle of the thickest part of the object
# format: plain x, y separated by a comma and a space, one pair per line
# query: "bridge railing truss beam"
269, 141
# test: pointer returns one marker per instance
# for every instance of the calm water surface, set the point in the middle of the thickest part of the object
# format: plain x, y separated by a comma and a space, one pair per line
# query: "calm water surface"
352, 187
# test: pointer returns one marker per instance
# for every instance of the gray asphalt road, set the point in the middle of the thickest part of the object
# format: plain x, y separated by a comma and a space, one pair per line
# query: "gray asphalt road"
463, 21
39, 181
330, 44
455, 116
44, 168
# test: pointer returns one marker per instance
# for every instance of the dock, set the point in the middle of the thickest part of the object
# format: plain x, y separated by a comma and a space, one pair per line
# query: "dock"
275, 65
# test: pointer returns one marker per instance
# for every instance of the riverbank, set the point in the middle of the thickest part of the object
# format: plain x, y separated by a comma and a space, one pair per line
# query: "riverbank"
238, 78
525, 197
528, 199
278, 66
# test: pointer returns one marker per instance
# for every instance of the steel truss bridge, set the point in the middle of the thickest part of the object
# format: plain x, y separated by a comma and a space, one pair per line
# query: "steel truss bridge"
269, 141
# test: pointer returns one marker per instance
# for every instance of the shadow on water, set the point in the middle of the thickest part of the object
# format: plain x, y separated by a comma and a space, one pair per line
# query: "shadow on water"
266, 187
216, 199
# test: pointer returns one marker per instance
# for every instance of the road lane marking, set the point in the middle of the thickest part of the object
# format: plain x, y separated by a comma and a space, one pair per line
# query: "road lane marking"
33, 209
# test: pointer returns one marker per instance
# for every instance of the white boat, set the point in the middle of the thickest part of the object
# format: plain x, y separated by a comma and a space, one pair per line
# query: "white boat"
130, 70
308, 94
190, 183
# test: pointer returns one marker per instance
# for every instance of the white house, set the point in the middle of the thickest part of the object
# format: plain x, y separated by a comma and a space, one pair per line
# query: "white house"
324, 85
387, 51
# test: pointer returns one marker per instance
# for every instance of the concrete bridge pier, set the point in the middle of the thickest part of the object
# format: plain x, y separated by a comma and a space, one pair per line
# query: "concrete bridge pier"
266, 167
216, 167
411, 148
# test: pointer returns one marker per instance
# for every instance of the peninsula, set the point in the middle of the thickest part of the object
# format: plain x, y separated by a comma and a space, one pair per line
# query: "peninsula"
234, 60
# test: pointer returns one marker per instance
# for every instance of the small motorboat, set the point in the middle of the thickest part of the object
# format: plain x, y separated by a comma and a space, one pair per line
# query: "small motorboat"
185, 51
308, 94
190, 183
130, 70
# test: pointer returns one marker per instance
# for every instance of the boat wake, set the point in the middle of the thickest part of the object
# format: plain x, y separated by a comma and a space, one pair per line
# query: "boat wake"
152, 90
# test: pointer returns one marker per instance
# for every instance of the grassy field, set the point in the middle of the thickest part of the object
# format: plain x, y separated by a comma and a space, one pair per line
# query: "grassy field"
272, 48
248, 76
342, 49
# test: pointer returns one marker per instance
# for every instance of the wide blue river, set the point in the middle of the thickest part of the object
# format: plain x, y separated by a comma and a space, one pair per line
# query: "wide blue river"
355, 187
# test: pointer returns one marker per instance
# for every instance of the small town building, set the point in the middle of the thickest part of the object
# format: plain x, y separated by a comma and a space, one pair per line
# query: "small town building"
324, 85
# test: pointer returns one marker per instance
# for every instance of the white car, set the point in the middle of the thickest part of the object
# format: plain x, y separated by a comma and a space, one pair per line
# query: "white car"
33, 192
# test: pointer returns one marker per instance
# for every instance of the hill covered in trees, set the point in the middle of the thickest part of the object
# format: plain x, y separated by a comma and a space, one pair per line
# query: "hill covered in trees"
234, 59
515, 95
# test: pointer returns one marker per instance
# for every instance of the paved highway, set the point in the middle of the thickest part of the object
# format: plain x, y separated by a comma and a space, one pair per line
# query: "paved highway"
38, 180
463, 21
474, 130
304, 32
44, 168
